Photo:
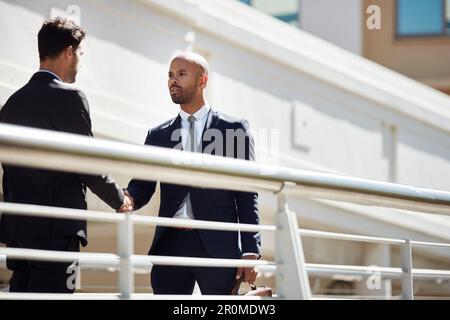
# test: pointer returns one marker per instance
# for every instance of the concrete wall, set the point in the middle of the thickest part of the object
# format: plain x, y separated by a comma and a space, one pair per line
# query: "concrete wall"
338, 22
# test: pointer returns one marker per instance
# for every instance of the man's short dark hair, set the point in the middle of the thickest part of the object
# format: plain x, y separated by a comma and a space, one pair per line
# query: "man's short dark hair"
56, 35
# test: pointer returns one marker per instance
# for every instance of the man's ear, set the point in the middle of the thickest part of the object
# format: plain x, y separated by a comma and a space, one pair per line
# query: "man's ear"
204, 80
68, 53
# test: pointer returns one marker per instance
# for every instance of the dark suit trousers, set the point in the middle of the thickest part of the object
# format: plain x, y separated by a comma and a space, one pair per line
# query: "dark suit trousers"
180, 279
44, 276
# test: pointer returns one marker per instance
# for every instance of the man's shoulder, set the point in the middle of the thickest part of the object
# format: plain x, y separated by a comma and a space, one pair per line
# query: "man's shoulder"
72, 96
229, 121
163, 127
51, 90
65, 89
160, 134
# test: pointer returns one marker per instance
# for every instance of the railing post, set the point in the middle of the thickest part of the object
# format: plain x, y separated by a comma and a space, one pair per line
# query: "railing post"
407, 277
125, 245
292, 278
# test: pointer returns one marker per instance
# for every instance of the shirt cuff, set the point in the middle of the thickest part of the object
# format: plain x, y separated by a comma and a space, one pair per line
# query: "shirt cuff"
250, 254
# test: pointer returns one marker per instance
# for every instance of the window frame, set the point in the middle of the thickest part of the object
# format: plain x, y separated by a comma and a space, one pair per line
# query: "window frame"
286, 17
445, 33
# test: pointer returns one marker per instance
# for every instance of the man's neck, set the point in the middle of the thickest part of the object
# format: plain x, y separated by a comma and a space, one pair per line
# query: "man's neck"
193, 107
52, 68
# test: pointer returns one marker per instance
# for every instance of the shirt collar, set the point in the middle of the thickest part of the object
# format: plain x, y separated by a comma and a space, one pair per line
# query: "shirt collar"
57, 77
199, 114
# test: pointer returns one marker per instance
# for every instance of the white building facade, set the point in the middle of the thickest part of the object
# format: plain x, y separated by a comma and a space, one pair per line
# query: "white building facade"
311, 104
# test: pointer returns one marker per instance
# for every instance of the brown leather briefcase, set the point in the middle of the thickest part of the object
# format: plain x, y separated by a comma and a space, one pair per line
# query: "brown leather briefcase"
261, 291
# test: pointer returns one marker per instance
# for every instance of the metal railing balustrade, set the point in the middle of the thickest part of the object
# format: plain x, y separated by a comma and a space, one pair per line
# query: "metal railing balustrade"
66, 152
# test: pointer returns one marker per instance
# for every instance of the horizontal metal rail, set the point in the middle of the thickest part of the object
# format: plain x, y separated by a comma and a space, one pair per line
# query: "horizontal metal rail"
89, 260
429, 244
329, 269
427, 274
351, 297
57, 212
106, 260
76, 214
150, 296
65, 256
348, 237
101, 261
116, 296
384, 272
359, 238
67, 152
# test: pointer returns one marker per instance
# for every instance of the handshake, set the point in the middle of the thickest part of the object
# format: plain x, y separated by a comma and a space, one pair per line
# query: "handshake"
128, 203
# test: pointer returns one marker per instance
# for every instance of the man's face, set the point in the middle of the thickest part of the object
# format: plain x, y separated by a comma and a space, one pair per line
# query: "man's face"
185, 81
74, 63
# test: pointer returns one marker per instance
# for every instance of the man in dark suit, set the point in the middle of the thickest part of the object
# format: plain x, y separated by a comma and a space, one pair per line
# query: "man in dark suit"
46, 102
196, 125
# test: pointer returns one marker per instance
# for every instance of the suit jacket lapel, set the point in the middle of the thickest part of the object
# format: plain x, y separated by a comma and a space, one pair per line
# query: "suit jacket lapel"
211, 122
174, 139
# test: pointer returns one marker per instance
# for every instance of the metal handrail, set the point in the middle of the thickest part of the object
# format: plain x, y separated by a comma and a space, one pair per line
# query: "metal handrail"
360, 238
77, 214
330, 269
68, 152
74, 153
65, 256
348, 237
88, 260
117, 296
58, 212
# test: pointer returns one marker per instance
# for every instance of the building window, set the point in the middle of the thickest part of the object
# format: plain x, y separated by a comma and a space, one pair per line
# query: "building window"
447, 17
423, 18
286, 10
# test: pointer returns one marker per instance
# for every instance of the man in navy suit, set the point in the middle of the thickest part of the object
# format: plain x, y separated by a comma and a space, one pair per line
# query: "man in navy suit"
192, 130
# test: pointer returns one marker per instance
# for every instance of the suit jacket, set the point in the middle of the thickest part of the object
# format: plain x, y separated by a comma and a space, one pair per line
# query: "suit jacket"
207, 204
47, 103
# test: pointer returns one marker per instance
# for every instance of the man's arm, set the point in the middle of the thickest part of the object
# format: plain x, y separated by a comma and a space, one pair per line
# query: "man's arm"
141, 191
247, 202
74, 118
247, 208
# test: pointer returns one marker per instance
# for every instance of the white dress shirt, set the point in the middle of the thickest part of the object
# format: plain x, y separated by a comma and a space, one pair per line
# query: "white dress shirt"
185, 211
201, 115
